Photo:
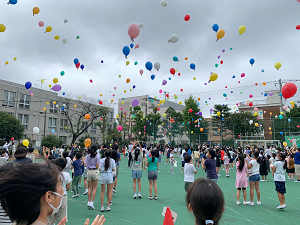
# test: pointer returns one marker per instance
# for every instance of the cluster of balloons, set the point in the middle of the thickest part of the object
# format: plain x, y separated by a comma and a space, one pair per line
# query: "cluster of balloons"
220, 32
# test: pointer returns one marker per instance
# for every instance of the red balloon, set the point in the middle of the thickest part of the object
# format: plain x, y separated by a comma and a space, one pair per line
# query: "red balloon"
167, 95
187, 17
158, 109
100, 102
239, 135
190, 110
179, 74
298, 126
225, 86
221, 61
256, 84
250, 104
172, 71
298, 27
12, 138
181, 89
289, 90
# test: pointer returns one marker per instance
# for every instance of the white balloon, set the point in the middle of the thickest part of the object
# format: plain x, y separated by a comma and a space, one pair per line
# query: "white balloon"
57, 106
36, 130
163, 3
64, 105
288, 110
65, 21
174, 38
141, 25
157, 66
250, 121
64, 41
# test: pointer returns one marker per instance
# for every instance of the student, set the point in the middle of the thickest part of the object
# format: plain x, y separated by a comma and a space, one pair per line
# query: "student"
107, 166
69, 162
56, 152
92, 163
172, 161
206, 201
226, 163
61, 151
222, 157
297, 163
168, 155
21, 156
209, 165
117, 157
137, 172
77, 163
291, 167
189, 171
197, 158
3, 158
263, 170
254, 177
218, 161
152, 164
30, 154
66, 184
241, 182
144, 162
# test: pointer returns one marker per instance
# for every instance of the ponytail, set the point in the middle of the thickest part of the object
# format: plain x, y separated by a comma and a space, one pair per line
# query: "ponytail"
136, 154
282, 156
153, 155
258, 159
107, 159
92, 150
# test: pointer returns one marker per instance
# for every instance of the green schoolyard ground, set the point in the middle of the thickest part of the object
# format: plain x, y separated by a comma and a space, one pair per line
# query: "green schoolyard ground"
128, 211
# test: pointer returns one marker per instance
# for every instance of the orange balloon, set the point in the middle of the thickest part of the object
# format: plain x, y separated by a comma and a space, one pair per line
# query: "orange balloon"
87, 116
220, 34
87, 142
264, 83
127, 80
293, 106
198, 99
186, 58
112, 101
201, 129
270, 132
219, 130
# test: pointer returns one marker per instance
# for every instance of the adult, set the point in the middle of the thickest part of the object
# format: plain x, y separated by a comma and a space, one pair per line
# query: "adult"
209, 165
61, 151
69, 162
297, 163
268, 151
21, 156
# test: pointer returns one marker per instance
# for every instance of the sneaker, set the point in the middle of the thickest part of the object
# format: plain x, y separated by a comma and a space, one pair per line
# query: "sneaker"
134, 196
223, 169
171, 173
281, 206
244, 202
91, 207
74, 196
250, 203
238, 202
108, 208
155, 197
85, 192
219, 175
288, 179
258, 203
102, 209
110, 203
72, 191
77, 195
297, 181
114, 190
140, 196
150, 197
79, 186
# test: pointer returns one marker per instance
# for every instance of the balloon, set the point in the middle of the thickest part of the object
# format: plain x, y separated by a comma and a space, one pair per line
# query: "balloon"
175, 96
187, 17
127, 63
77, 65
180, 103
76, 61
256, 124
127, 80
289, 90
215, 27
292, 103
190, 110
12, 2
213, 77
285, 107
193, 66
172, 71
77, 37
48, 29
250, 96
64, 93
135, 102
82, 67
218, 113
36, 130
255, 114
120, 128
64, 41
251, 61
225, 95
25, 142
173, 38
250, 104
141, 25
126, 51
264, 83
2, 28
56, 87
243, 75
262, 70
220, 34
175, 58
280, 117
277, 65
131, 45
133, 31
298, 27
163, 3
56, 37
216, 65
221, 61
250, 122
256, 109
157, 66
28, 85
149, 66
242, 29
87, 116
141, 72
164, 82
284, 144
160, 91
35, 10
44, 109
87, 142
55, 80
137, 46
289, 120
41, 24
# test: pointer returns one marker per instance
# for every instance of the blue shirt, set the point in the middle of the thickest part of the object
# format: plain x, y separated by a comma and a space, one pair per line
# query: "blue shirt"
190, 152
297, 158
77, 168
119, 156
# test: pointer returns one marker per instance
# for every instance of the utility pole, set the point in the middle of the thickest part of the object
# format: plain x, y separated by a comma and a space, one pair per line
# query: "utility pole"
166, 95
280, 88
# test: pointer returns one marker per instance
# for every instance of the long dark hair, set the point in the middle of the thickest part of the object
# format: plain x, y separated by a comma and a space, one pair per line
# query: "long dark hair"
241, 163
283, 156
258, 159
153, 155
136, 154
114, 155
93, 150
107, 159
21, 189
206, 200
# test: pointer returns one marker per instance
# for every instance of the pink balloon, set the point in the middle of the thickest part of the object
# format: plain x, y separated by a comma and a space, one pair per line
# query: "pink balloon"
137, 46
250, 96
247, 103
115, 88
133, 30
255, 109
125, 112
285, 107
41, 24
141, 72
237, 104
243, 75
265, 112
121, 108
257, 118
160, 91
120, 128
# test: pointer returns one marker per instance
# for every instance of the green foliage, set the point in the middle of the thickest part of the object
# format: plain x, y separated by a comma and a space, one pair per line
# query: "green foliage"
174, 128
114, 135
51, 141
294, 112
10, 127
138, 122
221, 122
103, 124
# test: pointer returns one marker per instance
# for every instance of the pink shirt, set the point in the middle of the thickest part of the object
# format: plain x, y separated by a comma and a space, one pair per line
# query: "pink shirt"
241, 177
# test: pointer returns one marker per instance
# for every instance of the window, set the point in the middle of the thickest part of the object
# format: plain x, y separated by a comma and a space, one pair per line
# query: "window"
23, 119
52, 124
93, 140
9, 98
84, 125
65, 106
63, 139
143, 104
216, 133
53, 108
110, 116
63, 123
24, 101
93, 128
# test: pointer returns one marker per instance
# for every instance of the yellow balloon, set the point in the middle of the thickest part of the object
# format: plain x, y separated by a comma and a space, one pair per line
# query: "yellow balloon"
75, 106
220, 34
44, 108
256, 124
66, 127
281, 113
47, 103
284, 144
54, 102
163, 124
213, 77
130, 89
124, 91
50, 85
87, 142
117, 116
242, 29
194, 78
79, 97
122, 102
277, 65
180, 102
35, 10
160, 101
127, 63
15, 58
292, 103
55, 80
164, 115
2, 27
270, 128
25, 142
255, 114
192, 132
164, 101
218, 114
56, 37
6, 62
48, 29
42, 80
176, 70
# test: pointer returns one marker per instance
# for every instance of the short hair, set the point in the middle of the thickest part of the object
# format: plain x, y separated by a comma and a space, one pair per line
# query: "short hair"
105, 146
30, 150
2, 152
78, 155
187, 158
51, 157
20, 153
60, 163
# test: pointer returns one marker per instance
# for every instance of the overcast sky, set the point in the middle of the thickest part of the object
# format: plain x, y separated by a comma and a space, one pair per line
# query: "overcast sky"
102, 26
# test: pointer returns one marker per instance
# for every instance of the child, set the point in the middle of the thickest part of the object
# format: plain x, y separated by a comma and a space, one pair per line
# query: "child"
241, 179
137, 172
152, 164
226, 163
197, 157
144, 161
291, 167
254, 177
272, 161
209, 165
279, 178
172, 161
189, 171
3, 158
182, 161
77, 166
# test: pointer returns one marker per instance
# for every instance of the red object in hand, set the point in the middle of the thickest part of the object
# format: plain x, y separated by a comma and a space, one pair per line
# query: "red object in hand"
187, 17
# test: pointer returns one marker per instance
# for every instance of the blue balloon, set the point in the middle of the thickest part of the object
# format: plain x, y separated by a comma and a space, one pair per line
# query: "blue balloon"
53, 131
64, 93
225, 95
265, 94
102, 61
28, 85
289, 120
263, 70
175, 59
13, 2
222, 118
198, 103
193, 66
148, 97
152, 77
233, 76
131, 45
252, 61
126, 51
231, 92
280, 94
281, 133
169, 78
133, 86
149, 66
215, 27
205, 101
82, 66
62, 108
76, 61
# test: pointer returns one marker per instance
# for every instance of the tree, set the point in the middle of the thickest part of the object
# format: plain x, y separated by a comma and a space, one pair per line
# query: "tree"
172, 129
103, 123
154, 121
114, 135
220, 119
138, 122
123, 121
10, 127
51, 140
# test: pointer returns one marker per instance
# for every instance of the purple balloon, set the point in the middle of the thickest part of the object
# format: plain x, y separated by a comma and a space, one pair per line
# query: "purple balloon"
209, 98
211, 110
211, 73
164, 82
135, 102
219, 56
200, 113
56, 87
29, 92
271, 94
223, 50
205, 83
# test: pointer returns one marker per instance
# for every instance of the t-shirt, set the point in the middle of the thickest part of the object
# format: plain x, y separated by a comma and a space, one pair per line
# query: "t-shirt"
119, 156
68, 166
291, 164
196, 154
4, 219
57, 150
222, 155
231, 154
279, 174
23, 161
190, 152
152, 165
226, 159
297, 158
61, 151
268, 152
3, 160
130, 147
210, 165
255, 167
31, 156
65, 179
91, 163
112, 165
189, 171
171, 156
77, 167
137, 165
182, 158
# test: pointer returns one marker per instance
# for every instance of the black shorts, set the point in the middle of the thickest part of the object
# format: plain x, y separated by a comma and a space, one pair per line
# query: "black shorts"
292, 170
222, 161
241, 189
280, 186
182, 163
231, 160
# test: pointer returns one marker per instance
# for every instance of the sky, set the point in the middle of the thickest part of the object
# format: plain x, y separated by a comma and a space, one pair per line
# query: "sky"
270, 37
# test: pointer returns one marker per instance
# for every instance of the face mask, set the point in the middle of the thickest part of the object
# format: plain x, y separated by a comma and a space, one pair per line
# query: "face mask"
207, 155
276, 158
55, 210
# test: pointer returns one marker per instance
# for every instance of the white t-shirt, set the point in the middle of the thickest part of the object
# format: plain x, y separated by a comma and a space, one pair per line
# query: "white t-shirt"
255, 167
189, 171
181, 156
112, 165
171, 157
130, 147
272, 161
61, 151
66, 179
279, 175
68, 166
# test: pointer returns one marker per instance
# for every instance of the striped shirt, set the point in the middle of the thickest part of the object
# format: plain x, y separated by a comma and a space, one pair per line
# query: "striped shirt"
4, 219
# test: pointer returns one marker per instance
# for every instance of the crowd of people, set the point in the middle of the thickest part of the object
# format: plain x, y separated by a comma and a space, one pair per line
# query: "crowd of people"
64, 169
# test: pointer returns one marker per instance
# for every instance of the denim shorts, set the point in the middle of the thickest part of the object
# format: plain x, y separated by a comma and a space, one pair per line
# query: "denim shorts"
280, 186
152, 175
136, 174
106, 178
254, 178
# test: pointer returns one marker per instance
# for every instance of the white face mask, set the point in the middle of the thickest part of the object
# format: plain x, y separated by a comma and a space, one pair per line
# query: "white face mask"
55, 210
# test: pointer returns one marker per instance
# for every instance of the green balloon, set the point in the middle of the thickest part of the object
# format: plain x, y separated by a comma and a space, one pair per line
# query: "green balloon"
135, 63
62, 73
77, 37
216, 65
119, 76
241, 92
230, 48
151, 100
155, 97
122, 98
